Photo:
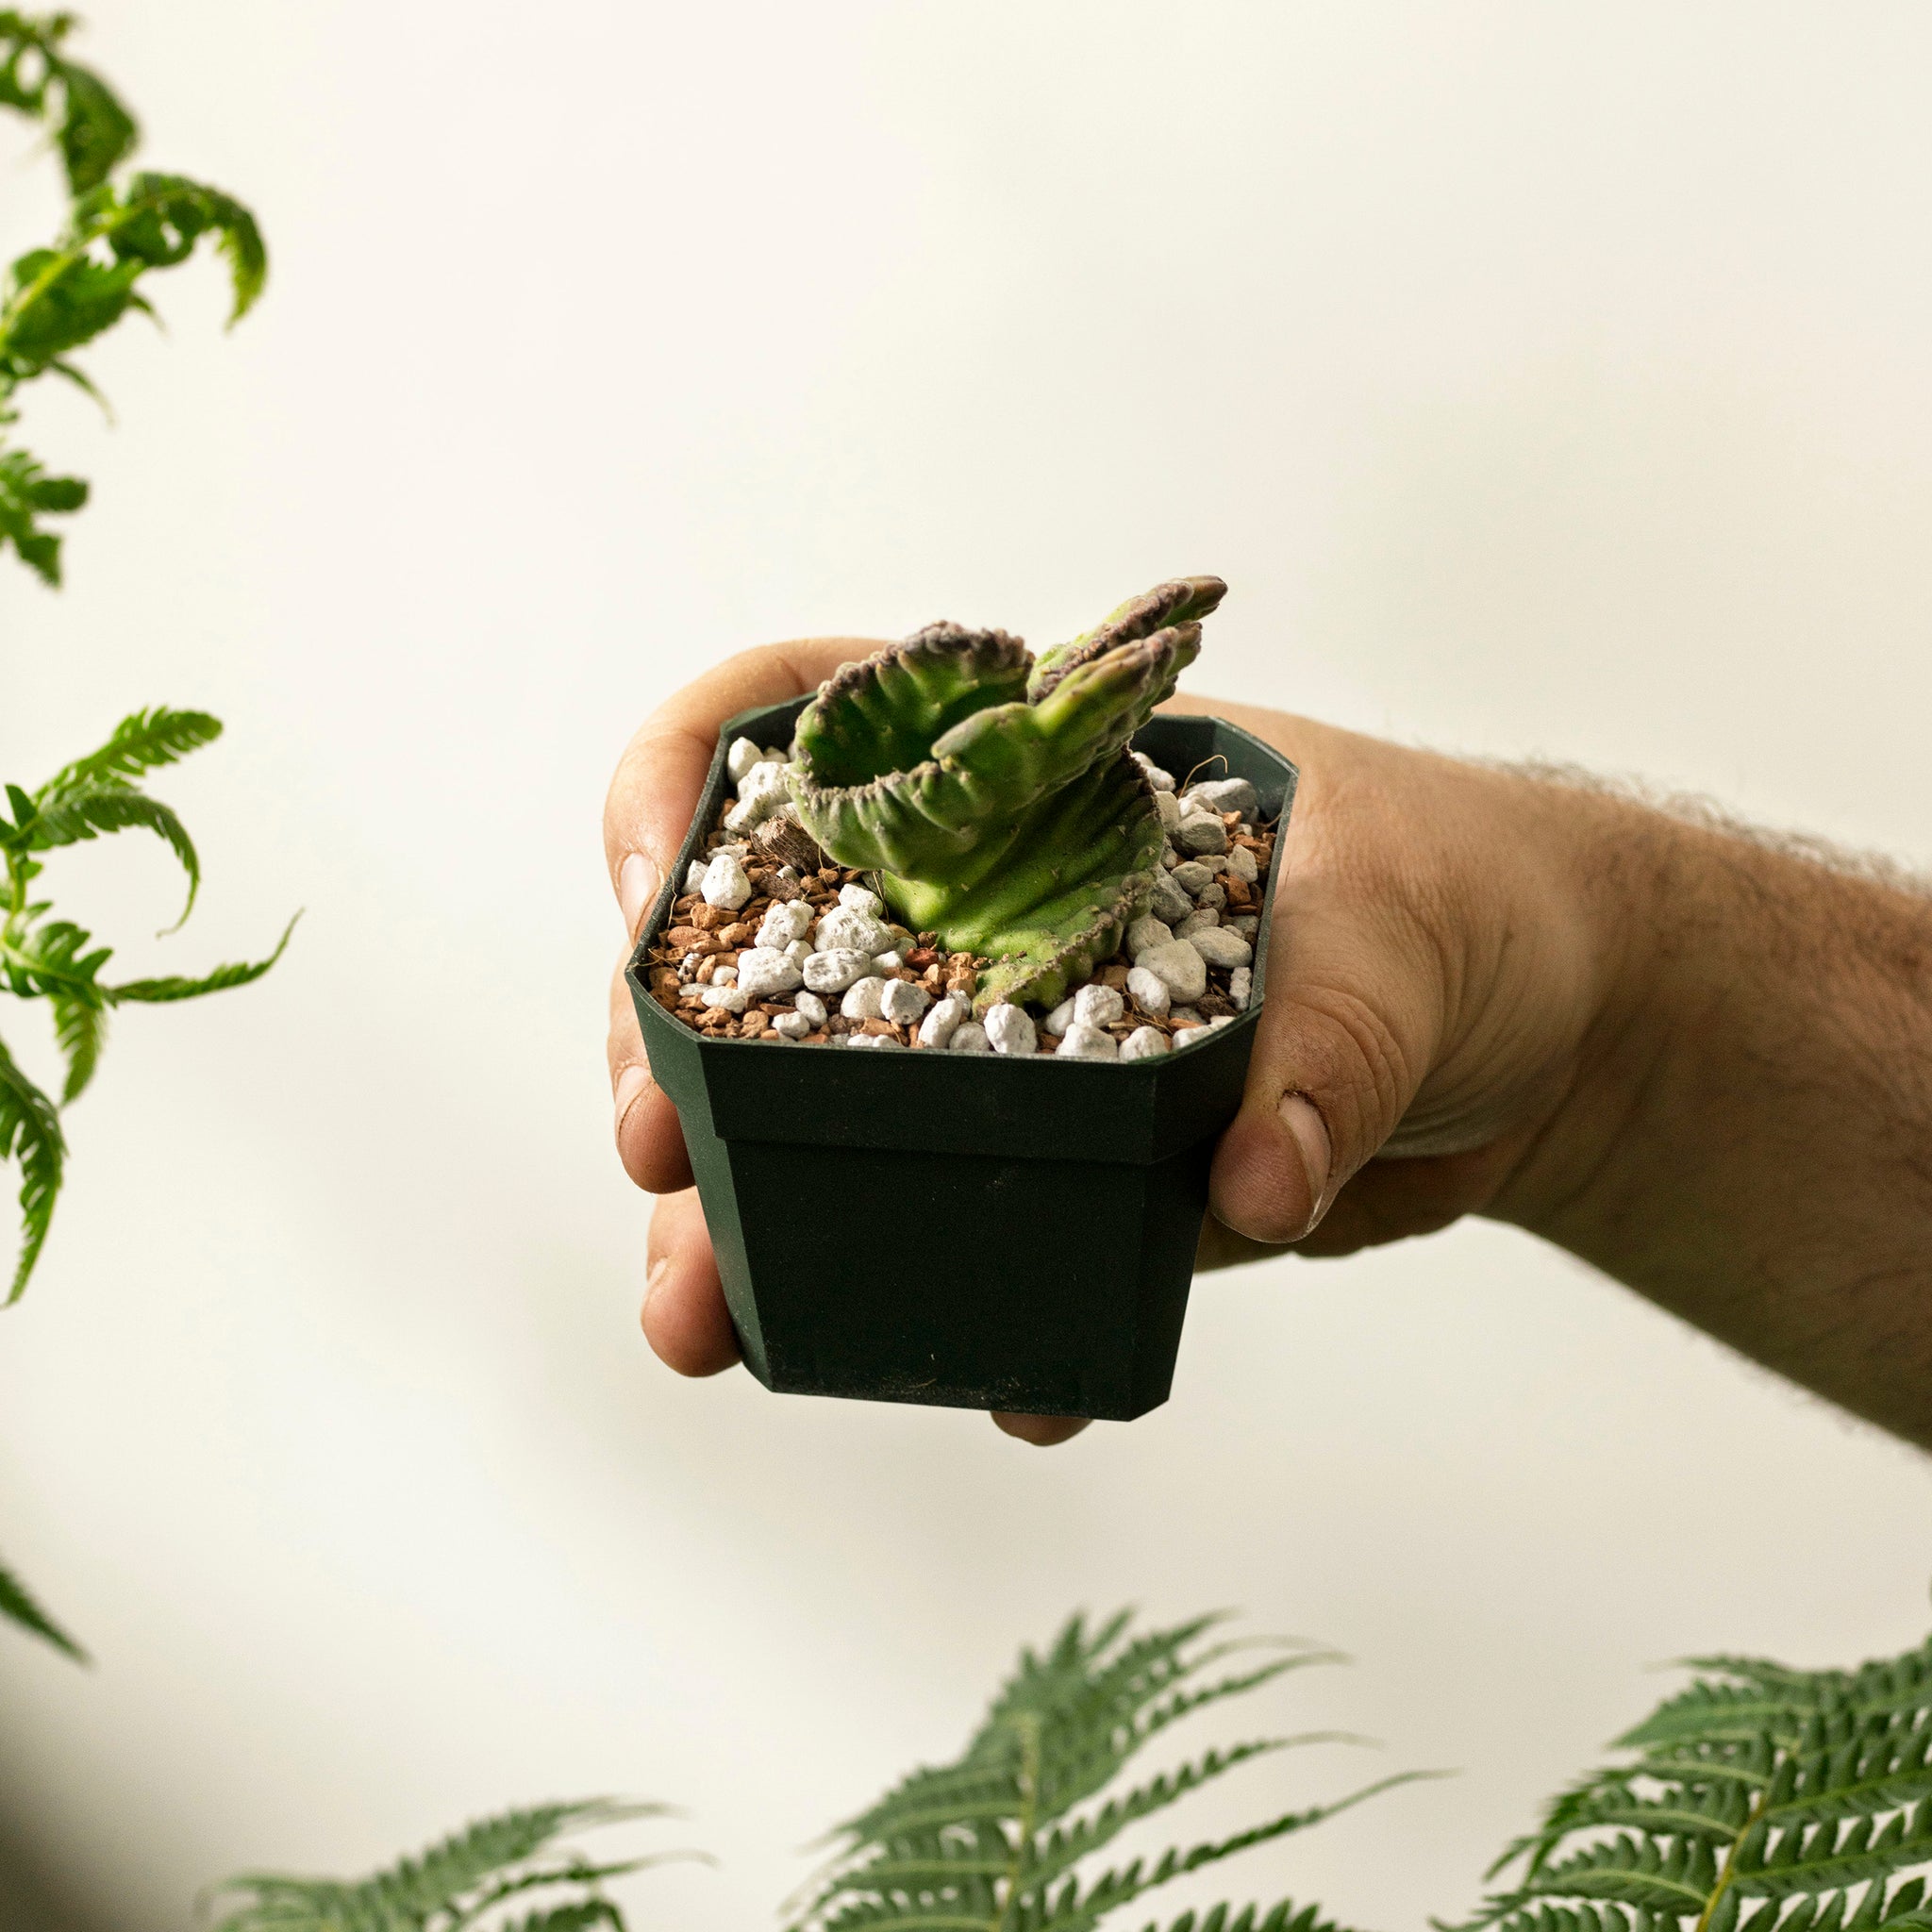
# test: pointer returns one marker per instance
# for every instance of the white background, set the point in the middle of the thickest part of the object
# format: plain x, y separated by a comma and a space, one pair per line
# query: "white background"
1543, 380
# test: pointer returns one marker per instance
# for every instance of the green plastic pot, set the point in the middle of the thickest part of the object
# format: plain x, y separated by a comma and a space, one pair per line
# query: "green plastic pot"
961, 1229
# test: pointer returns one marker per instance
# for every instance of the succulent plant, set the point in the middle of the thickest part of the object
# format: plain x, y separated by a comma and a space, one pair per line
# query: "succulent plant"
993, 793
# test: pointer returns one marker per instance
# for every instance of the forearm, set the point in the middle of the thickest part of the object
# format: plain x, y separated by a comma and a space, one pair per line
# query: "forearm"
1747, 1139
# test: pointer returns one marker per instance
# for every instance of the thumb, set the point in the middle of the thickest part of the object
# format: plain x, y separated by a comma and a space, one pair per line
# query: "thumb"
1350, 1024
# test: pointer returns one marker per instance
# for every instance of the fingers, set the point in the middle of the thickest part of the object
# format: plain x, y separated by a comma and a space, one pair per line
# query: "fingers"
650, 1142
646, 814
1042, 1431
1351, 1025
648, 808
684, 1316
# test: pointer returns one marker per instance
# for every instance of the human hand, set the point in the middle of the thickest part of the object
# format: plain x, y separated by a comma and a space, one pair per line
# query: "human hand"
1437, 962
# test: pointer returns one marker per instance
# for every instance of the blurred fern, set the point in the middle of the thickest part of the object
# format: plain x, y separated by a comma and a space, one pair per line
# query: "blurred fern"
59, 298
53, 303
506, 1873
998, 1839
1760, 1799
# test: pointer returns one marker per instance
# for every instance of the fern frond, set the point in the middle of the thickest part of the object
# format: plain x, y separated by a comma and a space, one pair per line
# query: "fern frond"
455, 1883
30, 1135
995, 1840
1285, 1917
1760, 1799
86, 812
48, 961
18, 1607
160, 992
79, 1030
143, 741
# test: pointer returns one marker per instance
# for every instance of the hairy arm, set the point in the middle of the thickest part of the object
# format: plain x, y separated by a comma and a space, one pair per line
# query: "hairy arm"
1749, 1142
1696, 1056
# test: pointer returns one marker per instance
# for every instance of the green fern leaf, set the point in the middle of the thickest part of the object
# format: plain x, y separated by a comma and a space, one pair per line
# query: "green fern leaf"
47, 962
87, 812
454, 1884
30, 1135
79, 1029
993, 1841
27, 494
143, 741
161, 992
1761, 1799
19, 1607
1285, 1917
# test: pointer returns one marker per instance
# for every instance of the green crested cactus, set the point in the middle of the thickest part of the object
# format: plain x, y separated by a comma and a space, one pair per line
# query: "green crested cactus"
993, 793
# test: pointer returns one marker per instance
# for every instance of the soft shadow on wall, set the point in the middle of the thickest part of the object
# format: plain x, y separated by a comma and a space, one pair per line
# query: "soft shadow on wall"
33, 1901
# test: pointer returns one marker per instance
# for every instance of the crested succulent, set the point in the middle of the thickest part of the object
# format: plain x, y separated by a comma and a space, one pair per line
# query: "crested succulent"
993, 793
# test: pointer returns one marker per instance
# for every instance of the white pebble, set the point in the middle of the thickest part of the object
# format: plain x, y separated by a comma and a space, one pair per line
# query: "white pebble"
861, 1001
860, 900
1170, 858
1246, 923
1202, 833
1148, 992
1088, 1043
945, 1021
812, 1008
1196, 922
694, 876
1171, 904
1148, 931
1192, 877
798, 952
785, 920
742, 756
970, 1037
1011, 1030
1144, 1044
901, 1003
1098, 1006
763, 971
874, 1040
723, 976
1214, 895
760, 792
790, 1026
1240, 987
1161, 781
731, 997
1220, 947
888, 962
1058, 1019
834, 971
1227, 794
1186, 1016
1180, 966
1169, 809
1241, 862
842, 928
1187, 1035
725, 883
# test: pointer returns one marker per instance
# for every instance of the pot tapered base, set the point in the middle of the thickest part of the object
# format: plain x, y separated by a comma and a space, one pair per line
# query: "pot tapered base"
1070, 1303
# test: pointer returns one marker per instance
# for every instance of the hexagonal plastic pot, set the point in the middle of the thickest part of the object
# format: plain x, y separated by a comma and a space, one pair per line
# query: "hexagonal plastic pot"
962, 1229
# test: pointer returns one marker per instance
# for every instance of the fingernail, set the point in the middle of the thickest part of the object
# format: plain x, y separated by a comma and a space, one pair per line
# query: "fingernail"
637, 885
1303, 1119
631, 1083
